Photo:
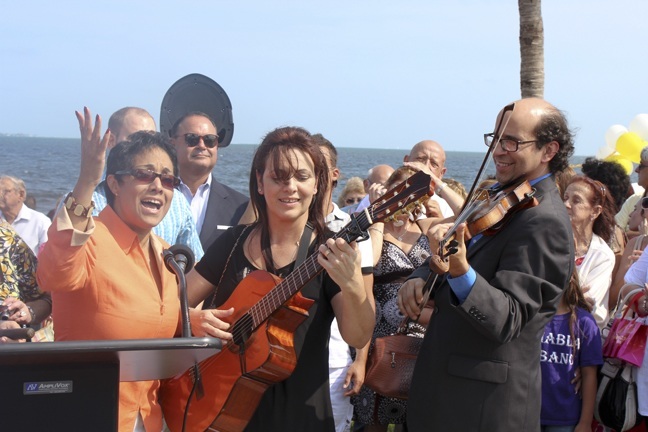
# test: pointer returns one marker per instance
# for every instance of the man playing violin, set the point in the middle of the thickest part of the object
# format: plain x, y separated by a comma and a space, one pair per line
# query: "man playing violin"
479, 365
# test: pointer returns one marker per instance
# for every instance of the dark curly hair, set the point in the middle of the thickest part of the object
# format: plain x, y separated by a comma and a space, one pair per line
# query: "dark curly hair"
612, 175
121, 156
553, 127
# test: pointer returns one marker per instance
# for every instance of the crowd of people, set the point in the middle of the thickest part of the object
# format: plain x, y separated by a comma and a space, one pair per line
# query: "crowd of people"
511, 335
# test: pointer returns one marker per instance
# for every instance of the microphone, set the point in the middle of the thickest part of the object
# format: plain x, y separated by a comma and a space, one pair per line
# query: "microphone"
179, 259
18, 333
182, 255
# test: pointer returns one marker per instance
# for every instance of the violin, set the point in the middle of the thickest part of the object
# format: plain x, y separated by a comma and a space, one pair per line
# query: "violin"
486, 215
492, 213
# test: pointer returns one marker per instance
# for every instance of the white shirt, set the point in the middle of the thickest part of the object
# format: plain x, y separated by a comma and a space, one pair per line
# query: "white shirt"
638, 274
339, 354
32, 226
595, 273
198, 202
446, 211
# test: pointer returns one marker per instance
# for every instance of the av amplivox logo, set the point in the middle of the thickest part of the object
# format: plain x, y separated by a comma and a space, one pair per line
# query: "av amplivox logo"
47, 387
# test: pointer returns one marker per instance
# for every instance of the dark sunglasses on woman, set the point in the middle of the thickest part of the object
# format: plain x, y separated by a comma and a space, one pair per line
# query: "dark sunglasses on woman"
168, 181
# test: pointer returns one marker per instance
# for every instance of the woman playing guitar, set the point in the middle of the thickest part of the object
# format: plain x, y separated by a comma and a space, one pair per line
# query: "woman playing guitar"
287, 171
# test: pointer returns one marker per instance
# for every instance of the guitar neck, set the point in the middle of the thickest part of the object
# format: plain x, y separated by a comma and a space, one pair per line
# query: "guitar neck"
304, 273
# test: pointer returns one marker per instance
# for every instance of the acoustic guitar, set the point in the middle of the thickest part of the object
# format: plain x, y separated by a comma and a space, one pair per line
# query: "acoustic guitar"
268, 310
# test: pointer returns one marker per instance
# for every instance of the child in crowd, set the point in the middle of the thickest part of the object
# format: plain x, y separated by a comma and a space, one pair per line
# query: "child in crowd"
571, 340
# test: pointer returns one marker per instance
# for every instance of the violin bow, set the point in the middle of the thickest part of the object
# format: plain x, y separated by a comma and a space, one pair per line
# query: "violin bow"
497, 138
470, 203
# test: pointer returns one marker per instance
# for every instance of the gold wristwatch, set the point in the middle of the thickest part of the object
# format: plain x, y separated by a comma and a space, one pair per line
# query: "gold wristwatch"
76, 208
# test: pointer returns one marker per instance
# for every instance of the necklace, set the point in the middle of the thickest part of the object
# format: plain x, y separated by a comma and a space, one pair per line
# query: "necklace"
405, 230
580, 252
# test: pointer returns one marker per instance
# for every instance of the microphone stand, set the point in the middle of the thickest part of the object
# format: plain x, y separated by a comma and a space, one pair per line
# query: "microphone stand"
182, 283
169, 258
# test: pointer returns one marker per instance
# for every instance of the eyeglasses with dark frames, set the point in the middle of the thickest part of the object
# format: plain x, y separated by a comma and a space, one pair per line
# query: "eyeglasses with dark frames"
507, 144
168, 181
192, 140
640, 167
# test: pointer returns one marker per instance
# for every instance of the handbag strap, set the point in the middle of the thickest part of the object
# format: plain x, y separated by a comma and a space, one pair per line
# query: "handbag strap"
632, 296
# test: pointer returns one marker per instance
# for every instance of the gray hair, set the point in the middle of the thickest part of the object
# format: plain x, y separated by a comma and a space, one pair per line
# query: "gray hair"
18, 183
644, 154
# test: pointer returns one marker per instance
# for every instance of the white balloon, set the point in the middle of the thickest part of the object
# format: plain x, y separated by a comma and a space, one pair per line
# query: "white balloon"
604, 152
612, 135
639, 125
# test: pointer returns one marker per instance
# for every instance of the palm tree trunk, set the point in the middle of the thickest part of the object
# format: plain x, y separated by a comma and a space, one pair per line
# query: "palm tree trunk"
531, 48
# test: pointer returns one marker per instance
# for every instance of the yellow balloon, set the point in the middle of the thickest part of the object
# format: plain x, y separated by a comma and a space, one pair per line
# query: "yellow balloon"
625, 163
629, 145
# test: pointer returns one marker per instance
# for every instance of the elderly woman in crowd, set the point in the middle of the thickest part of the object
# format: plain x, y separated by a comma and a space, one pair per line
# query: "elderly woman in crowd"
107, 274
24, 304
352, 193
590, 209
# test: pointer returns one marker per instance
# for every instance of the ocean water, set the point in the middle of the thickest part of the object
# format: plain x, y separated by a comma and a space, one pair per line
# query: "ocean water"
50, 166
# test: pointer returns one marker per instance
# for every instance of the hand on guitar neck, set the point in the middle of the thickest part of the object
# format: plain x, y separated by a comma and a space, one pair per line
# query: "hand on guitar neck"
341, 261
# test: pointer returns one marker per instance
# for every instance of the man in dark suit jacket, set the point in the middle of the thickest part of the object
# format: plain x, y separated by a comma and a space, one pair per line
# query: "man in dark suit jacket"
479, 366
215, 206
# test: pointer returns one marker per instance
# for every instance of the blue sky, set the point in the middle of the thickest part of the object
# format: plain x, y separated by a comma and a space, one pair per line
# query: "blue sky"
375, 74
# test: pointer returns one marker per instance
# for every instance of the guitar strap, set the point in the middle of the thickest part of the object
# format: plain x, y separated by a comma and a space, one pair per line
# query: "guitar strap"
210, 300
304, 242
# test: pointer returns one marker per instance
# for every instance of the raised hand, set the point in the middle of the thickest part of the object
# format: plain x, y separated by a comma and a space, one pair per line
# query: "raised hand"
93, 149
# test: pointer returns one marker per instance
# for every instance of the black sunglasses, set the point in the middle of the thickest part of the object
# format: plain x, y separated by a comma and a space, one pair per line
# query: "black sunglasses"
168, 181
644, 202
192, 140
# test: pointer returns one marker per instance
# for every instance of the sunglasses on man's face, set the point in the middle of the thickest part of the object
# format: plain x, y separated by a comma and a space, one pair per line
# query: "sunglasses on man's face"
192, 140
168, 181
352, 200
